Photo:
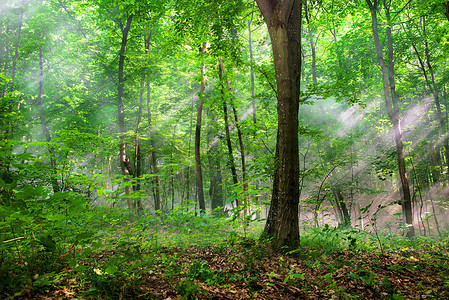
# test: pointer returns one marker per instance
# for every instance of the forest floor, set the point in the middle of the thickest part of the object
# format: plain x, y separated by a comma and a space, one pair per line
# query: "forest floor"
182, 256
248, 269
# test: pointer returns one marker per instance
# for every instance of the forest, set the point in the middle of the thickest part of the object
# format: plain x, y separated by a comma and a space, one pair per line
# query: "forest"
267, 149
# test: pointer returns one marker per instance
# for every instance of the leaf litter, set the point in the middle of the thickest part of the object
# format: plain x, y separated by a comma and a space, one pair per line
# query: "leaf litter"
249, 269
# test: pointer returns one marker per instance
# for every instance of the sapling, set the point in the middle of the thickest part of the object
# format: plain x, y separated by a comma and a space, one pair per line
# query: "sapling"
373, 222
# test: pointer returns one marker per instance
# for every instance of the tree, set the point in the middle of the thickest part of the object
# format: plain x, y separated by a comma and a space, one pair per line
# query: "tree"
283, 19
231, 162
391, 102
199, 172
124, 161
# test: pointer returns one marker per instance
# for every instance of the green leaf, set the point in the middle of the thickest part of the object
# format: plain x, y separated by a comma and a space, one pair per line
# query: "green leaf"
101, 193
298, 275
80, 268
83, 236
111, 269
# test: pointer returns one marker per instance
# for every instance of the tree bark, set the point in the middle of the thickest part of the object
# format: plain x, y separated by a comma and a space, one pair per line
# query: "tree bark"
216, 179
270, 229
190, 142
137, 152
393, 110
253, 94
311, 41
124, 161
242, 147
435, 93
440, 117
342, 208
153, 157
242, 150
227, 131
199, 172
283, 19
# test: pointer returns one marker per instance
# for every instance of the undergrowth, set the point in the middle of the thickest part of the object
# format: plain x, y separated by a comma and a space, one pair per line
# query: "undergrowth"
110, 252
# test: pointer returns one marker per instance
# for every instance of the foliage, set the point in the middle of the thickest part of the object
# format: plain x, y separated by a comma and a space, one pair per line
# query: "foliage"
64, 229
114, 260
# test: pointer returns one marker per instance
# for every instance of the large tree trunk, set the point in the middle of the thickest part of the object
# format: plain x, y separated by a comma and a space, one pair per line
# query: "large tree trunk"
124, 161
393, 111
283, 19
199, 172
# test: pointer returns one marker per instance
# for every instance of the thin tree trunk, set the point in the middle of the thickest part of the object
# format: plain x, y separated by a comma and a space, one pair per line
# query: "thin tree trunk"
311, 41
407, 203
190, 141
435, 217
199, 173
242, 150
124, 161
216, 179
334, 34
393, 111
253, 96
153, 169
153, 159
342, 208
436, 98
251, 60
137, 152
417, 191
227, 132
435, 92
172, 170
